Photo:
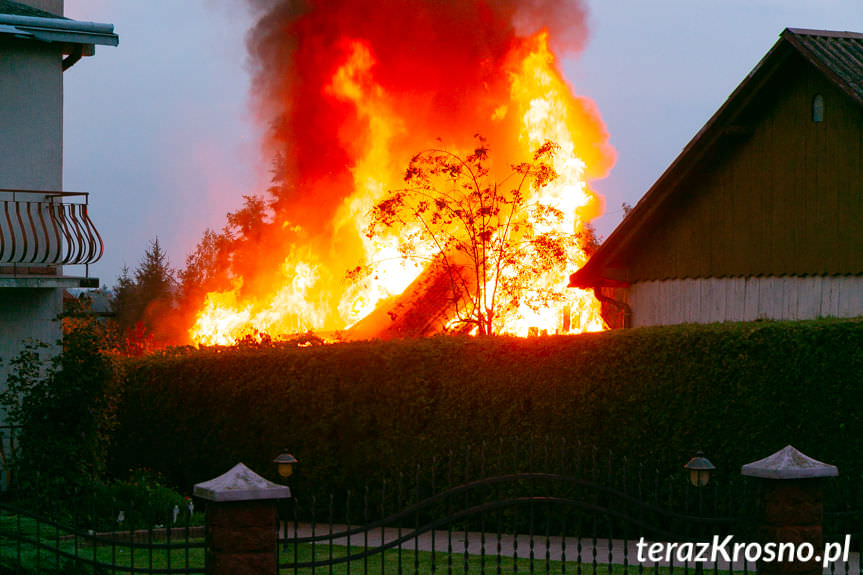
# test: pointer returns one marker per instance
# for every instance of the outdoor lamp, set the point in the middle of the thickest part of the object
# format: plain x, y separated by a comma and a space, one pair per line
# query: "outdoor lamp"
285, 464
699, 469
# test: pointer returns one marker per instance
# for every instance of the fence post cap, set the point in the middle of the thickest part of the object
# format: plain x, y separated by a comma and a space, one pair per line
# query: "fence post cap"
789, 463
240, 484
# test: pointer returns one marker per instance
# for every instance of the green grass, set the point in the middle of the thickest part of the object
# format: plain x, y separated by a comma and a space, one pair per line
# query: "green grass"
27, 558
47, 557
389, 562
33, 560
428, 563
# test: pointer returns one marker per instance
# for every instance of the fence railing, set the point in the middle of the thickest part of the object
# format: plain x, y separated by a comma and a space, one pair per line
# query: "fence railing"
556, 508
535, 519
8, 450
469, 512
33, 543
44, 228
539, 506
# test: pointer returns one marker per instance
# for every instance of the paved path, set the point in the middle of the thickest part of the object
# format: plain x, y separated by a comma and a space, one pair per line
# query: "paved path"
602, 551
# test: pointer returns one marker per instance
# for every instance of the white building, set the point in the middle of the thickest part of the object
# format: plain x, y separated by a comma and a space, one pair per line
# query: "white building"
47, 240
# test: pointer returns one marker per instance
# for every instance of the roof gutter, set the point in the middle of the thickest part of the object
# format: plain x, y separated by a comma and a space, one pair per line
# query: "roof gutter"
621, 306
57, 24
59, 30
585, 279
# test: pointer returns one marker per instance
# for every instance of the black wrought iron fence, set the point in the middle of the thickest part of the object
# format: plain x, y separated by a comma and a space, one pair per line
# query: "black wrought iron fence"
843, 516
34, 543
8, 450
469, 513
476, 513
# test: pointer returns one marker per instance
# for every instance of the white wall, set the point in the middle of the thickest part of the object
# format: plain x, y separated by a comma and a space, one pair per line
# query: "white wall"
27, 314
744, 299
31, 158
31, 116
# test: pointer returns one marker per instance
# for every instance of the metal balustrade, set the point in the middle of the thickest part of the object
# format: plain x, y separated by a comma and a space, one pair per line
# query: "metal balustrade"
45, 228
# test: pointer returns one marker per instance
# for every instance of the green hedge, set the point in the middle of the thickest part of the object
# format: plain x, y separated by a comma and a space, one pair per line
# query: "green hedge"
353, 411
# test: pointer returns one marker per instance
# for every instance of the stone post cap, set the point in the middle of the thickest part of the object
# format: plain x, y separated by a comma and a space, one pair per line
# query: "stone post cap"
788, 463
240, 484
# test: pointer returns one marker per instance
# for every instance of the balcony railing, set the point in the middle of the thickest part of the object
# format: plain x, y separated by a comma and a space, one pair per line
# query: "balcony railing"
46, 229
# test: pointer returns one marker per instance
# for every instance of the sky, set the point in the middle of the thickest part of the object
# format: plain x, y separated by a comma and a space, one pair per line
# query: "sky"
158, 130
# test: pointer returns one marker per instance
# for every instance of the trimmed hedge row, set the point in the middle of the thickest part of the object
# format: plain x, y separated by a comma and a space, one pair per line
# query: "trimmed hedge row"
352, 411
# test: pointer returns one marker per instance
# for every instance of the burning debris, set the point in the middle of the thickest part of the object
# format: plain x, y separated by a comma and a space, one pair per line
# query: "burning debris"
425, 307
350, 92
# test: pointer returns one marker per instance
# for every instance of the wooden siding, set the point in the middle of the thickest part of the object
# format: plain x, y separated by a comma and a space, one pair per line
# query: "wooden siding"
787, 199
744, 299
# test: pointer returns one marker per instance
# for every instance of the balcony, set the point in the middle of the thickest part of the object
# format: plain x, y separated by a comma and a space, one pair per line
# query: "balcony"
42, 231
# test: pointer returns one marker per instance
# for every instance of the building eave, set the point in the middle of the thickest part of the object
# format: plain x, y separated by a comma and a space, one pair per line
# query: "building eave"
58, 30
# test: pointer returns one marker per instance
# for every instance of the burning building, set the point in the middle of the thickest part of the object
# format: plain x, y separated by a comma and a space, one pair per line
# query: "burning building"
349, 92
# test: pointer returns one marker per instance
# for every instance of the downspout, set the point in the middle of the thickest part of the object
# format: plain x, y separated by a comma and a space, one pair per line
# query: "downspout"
620, 305
584, 279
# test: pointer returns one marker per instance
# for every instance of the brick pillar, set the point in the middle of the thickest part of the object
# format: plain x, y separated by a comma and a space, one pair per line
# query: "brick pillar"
242, 527
791, 506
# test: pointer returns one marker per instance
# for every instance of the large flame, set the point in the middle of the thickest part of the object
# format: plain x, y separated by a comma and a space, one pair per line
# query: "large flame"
518, 99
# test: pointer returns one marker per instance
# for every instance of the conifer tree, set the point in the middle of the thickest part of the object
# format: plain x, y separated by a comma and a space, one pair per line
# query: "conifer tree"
139, 301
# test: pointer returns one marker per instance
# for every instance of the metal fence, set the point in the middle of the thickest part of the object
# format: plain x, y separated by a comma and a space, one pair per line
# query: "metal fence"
560, 509
8, 450
556, 508
553, 509
33, 543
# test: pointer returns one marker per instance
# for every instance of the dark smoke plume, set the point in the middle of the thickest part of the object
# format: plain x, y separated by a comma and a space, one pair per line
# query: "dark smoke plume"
442, 58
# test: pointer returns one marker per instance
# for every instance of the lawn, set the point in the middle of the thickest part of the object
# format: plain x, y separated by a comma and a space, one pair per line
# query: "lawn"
426, 563
56, 549
45, 549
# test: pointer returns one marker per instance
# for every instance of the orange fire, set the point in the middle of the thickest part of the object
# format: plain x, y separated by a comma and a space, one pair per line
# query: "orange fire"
523, 101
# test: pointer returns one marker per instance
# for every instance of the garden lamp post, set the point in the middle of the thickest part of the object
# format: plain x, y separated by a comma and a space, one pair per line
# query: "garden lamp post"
699, 470
285, 464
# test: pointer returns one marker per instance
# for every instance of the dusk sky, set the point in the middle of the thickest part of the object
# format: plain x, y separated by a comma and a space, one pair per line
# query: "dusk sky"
158, 130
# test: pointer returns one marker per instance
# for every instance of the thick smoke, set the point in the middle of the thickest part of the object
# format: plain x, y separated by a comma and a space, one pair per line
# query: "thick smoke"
441, 60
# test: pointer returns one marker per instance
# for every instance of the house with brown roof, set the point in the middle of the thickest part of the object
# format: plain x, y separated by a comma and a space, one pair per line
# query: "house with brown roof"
761, 214
47, 238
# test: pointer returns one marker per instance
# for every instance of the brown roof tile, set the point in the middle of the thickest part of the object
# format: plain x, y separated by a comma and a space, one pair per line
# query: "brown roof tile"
19, 9
837, 54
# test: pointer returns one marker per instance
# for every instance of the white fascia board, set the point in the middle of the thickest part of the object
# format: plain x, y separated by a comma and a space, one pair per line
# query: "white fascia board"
59, 30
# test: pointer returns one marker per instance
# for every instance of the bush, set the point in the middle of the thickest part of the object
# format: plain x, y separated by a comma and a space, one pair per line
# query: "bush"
140, 502
66, 414
355, 411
